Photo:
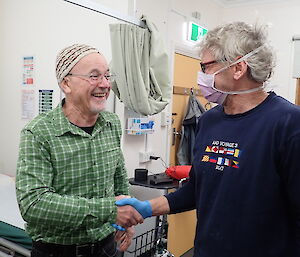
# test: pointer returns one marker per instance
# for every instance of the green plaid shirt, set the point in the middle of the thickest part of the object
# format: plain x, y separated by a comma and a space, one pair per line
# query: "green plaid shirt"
67, 180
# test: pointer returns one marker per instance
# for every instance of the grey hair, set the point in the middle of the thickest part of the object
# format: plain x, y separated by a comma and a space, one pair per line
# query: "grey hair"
229, 41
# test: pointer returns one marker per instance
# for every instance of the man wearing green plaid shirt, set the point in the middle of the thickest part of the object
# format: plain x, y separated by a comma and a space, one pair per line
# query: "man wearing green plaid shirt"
71, 169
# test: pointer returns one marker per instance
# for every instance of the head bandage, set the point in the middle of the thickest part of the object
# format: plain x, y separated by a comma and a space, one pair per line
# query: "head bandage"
69, 56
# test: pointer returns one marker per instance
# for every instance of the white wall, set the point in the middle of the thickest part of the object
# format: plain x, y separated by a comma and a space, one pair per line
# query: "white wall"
284, 21
40, 29
170, 16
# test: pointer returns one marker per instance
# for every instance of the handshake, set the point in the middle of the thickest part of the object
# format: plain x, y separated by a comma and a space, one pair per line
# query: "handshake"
130, 212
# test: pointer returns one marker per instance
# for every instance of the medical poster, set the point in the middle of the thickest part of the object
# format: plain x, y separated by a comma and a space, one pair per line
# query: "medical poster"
28, 70
45, 100
27, 103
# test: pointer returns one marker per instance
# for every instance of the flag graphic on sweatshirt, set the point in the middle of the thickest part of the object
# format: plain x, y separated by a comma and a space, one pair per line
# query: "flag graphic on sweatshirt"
223, 150
222, 154
220, 161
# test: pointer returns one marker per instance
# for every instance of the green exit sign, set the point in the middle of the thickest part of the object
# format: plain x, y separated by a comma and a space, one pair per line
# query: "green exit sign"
196, 32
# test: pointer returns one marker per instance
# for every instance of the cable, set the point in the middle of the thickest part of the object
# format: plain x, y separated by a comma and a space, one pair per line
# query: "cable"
164, 163
158, 157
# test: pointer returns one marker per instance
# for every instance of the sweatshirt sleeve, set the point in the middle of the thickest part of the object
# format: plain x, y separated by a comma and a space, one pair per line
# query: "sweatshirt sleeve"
184, 198
290, 173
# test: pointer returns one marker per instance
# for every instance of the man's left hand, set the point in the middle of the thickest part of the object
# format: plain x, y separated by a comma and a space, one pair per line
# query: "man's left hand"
124, 238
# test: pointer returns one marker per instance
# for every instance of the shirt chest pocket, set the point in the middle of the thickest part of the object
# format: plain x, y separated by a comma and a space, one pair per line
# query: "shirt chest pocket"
107, 164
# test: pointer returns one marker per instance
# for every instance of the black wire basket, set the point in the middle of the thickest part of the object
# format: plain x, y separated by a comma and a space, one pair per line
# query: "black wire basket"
151, 243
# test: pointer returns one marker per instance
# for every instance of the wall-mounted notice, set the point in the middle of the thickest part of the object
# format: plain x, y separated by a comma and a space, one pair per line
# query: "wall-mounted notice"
27, 103
45, 100
28, 68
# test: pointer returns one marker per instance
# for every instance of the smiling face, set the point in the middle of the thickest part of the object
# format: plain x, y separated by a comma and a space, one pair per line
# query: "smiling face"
86, 95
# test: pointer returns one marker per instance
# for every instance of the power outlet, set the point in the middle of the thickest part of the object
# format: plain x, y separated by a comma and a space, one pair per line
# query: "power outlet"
165, 119
145, 156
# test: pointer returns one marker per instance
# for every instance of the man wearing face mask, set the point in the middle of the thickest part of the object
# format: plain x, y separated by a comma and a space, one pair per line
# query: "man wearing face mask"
71, 168
245, 179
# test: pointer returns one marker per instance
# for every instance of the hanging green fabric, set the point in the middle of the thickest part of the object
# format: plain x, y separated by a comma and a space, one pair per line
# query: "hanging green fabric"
141, 65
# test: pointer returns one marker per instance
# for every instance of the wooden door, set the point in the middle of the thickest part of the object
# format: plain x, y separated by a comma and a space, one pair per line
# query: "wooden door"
181, 231
185, 79
297, 99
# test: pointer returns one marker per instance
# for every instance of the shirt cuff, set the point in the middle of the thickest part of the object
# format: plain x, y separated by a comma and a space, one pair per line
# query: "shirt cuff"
102, 210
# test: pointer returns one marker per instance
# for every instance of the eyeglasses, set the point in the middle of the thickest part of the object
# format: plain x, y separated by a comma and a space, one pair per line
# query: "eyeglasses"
204, 64
94, 78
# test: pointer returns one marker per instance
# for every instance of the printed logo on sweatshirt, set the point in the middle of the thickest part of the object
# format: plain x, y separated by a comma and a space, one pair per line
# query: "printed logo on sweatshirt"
222, 154
223, 150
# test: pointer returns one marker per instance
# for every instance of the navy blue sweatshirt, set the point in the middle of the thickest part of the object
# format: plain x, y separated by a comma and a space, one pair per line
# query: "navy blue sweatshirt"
245, 182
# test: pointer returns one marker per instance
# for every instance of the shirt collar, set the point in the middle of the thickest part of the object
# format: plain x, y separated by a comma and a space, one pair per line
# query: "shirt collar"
63, 125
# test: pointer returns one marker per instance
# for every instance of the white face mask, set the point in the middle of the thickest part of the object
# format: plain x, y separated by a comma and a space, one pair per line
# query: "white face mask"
207, 82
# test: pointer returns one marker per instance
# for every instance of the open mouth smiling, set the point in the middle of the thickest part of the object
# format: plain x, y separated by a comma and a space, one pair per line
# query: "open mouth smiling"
99, 95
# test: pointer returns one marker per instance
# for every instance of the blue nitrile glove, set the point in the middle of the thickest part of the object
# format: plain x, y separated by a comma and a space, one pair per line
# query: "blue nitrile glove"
118, 227
143, 207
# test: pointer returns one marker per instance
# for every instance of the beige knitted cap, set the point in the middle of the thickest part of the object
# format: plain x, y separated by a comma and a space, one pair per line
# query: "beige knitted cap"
69, 56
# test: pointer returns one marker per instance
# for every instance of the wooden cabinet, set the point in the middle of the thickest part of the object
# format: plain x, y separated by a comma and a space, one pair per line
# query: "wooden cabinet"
181, 232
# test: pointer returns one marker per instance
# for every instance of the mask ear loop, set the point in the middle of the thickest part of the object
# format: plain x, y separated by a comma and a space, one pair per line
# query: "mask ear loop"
241, 59
240, 92
231, 64
235, 62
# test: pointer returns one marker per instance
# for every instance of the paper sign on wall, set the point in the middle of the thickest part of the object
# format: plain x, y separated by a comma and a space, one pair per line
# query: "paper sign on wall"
27, 103
28, 69
45, 100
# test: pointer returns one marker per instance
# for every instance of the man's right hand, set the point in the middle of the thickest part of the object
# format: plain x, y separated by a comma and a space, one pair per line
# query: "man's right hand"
128, 216
143, 207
